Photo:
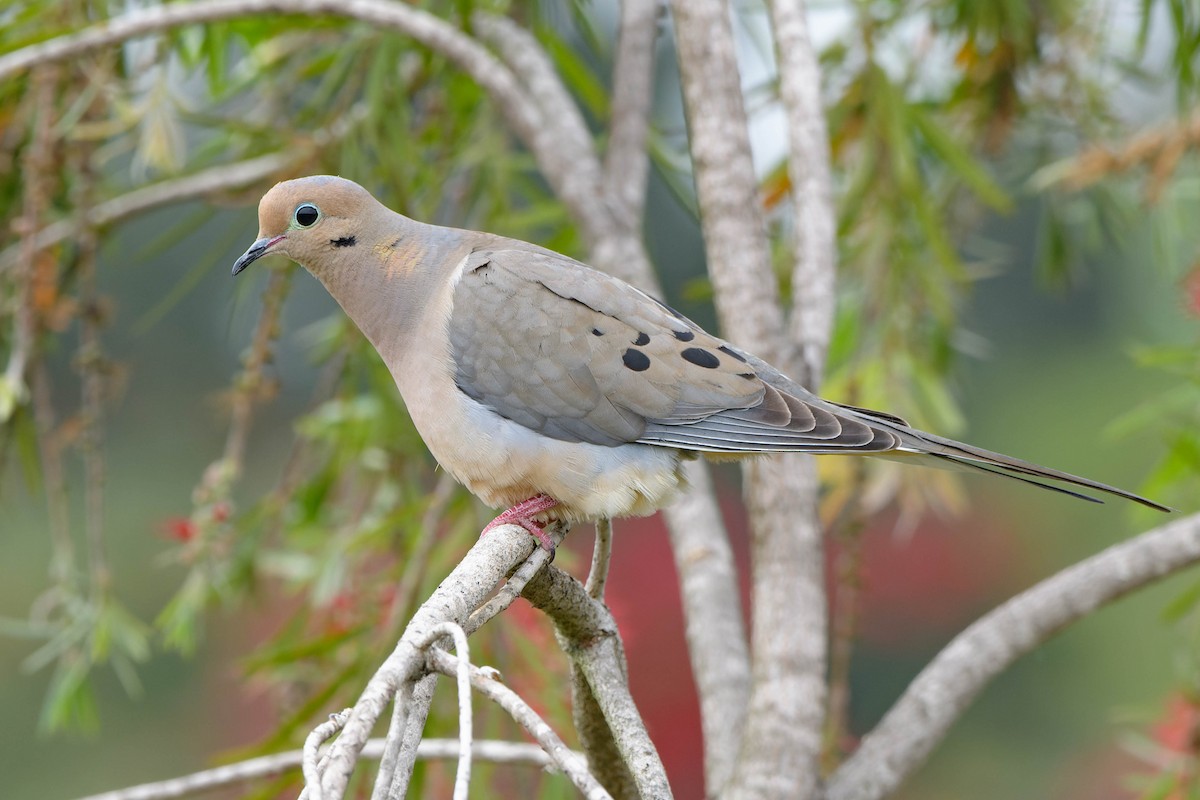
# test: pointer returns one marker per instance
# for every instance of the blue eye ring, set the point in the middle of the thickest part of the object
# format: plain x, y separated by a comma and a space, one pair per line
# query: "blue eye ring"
306, 215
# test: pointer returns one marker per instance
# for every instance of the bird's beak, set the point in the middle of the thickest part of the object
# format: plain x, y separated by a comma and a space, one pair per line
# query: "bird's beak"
256, 251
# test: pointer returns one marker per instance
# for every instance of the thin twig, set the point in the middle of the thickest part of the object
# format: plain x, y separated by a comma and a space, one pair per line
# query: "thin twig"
511, 98
470, 583
601, 559
946, 687
62, 558
588, 635
411, 706
200, 184
250, 382
495, 752
486, 682
312, 753
462, 776
514, 585
91, 364
35, 169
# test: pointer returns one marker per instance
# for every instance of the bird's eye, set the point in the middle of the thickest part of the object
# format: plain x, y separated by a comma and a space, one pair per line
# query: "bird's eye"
307, 215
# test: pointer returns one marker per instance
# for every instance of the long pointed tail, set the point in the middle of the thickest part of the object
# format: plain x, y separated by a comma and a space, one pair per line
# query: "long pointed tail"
976, 458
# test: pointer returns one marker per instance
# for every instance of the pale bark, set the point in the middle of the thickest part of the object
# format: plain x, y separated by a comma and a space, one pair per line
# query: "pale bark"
781, 742
814, 218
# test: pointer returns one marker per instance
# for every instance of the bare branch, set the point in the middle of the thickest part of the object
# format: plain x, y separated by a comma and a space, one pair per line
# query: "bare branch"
716, 634
487, 683
579, 191
514, 585
735, 241
597, 740
589, 636
466, 588
410, 712
946, 687
495, 752
601, 560
523, 53
36, 165
780, 746
626, 163
199, 184
313, 762
813, 215
462, 777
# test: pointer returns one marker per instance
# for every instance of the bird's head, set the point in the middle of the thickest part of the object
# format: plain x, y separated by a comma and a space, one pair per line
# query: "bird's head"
310, 220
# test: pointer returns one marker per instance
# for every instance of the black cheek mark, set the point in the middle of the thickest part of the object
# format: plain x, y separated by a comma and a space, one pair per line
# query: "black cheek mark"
684, 336
701, 358
597, 332
732, 353
642, 340
636, 360
345, 241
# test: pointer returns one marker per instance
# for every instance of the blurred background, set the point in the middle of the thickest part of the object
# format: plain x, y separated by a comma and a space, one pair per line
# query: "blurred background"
249, 601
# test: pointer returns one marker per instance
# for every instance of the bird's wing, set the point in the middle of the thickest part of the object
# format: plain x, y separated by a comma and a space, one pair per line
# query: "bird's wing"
577, 355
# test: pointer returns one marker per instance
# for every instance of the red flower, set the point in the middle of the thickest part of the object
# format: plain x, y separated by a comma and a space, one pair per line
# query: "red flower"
179, 529
1179, 730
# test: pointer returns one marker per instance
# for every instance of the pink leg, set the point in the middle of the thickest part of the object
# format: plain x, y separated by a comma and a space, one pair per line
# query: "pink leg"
522, 514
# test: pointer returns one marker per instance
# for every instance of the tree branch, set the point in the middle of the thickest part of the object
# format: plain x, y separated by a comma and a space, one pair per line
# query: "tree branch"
462, 777
574, 182
589, 636
626, 163
780, 746
601, 559
199, 184
495, 752
466, 588
486, 682
716, 634
813, 216
946, 687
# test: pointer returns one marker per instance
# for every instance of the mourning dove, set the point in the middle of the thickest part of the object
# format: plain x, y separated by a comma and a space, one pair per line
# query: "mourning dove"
556, 390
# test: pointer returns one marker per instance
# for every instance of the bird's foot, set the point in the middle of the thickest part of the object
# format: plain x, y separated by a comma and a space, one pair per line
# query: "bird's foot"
522, 514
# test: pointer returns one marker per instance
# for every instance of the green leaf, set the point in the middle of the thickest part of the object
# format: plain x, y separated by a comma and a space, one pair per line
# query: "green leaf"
964, 166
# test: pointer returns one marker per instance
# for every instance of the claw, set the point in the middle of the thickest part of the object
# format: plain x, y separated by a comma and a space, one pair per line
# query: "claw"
522, 514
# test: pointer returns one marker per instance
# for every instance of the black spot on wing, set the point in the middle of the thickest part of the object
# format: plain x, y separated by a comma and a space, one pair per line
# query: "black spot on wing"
597, 332
636, 360
642, 339
701, 357
684, 336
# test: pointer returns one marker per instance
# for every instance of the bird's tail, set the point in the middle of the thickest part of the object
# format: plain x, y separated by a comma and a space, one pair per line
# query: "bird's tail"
950, 452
